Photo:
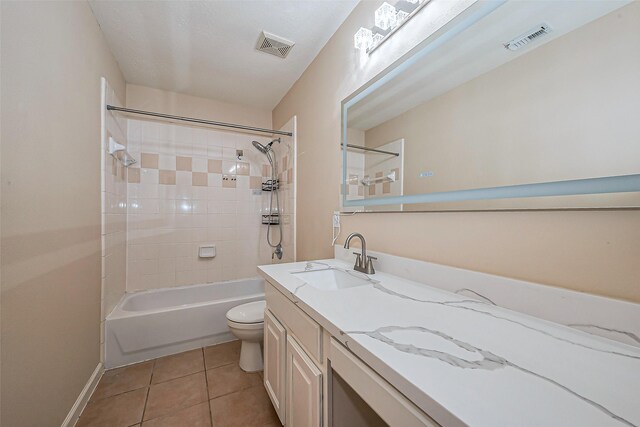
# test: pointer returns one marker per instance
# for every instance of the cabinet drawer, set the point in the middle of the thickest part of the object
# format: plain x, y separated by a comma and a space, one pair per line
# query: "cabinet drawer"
307, 331
389, 403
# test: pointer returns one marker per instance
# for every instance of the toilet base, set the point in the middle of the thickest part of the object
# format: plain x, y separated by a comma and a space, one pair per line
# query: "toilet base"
251, 357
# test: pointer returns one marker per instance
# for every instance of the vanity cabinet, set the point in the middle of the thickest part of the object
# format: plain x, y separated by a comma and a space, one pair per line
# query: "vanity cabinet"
315, 381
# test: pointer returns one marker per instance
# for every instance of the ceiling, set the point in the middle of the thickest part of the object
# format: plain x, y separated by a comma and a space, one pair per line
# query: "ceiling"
207, 48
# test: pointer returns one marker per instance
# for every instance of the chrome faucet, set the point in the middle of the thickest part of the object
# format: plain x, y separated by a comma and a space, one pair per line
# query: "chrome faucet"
364, 263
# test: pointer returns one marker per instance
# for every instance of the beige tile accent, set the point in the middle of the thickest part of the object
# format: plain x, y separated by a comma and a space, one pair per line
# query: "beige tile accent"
183, 163
249, 407
167, 177
285, 162
178, 365
289, 175
228, 379
242, 168
360, 190
170, 396
222, 354
266, 171
255, 182
133, 175
378, 174
194, 416
229, 181
386, 187
214, 166
199, 179
372, 190
116, 381
122, 410
149, 161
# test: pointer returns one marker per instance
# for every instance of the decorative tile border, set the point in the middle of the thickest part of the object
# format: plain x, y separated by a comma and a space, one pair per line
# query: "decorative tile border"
200, 169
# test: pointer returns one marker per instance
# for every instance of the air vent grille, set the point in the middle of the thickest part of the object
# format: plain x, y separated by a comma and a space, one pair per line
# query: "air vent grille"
528, 37
274, 45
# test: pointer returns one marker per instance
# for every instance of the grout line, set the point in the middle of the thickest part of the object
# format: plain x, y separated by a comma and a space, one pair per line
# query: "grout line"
207, 383
181, 376
146, 399
174, 412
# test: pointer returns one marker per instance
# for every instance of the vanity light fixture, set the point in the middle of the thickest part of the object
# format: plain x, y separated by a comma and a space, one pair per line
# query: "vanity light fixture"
388, 18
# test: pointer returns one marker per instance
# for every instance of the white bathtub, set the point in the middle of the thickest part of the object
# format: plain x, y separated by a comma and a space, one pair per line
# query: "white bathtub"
150, 324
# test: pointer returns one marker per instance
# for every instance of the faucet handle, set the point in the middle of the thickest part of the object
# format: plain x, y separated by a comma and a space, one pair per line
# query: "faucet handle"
369, 265
358, 259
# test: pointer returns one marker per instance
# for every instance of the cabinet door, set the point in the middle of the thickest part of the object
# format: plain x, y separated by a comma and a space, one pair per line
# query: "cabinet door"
274, 362
304, 388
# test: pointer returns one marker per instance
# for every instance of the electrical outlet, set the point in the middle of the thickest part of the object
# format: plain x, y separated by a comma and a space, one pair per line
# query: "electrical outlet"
336, 219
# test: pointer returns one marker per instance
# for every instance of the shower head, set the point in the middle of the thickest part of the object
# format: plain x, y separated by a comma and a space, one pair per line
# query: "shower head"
264, 148
261, 147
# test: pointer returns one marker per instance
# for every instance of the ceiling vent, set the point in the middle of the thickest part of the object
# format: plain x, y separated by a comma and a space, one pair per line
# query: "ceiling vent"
274, 45
528, 37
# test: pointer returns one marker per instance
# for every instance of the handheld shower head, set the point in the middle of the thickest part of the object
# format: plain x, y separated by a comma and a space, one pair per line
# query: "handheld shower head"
261, 147
264, 148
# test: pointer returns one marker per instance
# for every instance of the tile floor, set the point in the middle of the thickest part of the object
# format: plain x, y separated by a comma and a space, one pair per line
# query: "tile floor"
203, 387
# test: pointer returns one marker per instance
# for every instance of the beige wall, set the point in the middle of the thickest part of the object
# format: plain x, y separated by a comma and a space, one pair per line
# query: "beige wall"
53, 55
162, 101
592, 251
541, 99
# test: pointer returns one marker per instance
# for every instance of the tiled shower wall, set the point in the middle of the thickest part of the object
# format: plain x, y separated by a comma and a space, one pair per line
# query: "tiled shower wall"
192, 188
114, 210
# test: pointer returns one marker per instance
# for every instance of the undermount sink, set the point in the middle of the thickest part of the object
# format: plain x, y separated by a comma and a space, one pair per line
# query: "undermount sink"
332, 279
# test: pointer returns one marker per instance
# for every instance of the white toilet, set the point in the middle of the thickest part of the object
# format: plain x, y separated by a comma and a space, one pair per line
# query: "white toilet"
246, 322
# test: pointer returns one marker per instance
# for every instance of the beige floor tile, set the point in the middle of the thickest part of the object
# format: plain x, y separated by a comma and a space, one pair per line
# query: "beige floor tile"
116, 381
178, 365
222, 354
193, 416
122, 410
228, 379
173, 395
249, 407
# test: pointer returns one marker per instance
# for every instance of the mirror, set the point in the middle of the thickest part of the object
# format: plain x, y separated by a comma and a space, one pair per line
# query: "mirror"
551, 120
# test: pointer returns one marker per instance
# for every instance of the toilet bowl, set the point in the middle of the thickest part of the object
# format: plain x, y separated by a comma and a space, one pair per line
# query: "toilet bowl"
246, 322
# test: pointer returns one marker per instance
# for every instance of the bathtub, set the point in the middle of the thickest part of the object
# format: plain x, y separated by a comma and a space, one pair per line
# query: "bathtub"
150, 324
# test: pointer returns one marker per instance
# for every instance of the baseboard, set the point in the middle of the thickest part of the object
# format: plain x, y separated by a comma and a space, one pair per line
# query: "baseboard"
83, 398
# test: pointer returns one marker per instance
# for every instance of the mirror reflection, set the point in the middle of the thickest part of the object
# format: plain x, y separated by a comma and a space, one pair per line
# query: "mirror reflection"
535, 92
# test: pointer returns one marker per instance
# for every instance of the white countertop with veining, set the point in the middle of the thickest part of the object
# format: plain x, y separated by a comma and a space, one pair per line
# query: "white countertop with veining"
465, 361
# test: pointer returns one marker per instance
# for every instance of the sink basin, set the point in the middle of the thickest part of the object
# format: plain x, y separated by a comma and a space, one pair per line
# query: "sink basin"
331, 279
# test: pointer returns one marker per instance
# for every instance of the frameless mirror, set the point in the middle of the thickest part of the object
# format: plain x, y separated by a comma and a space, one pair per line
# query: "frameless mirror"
527, 105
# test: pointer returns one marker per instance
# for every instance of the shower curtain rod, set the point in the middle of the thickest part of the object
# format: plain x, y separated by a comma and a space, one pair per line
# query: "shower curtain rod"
201, 121
375, 150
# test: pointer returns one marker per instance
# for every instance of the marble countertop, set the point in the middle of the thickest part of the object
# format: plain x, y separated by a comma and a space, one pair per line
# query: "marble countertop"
467, 362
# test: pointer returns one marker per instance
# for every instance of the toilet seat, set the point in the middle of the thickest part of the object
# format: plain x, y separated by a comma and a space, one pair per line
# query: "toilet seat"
245, 326
247, 314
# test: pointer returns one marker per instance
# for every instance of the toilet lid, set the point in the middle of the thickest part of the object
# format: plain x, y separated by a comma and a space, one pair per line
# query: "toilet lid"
252, 312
